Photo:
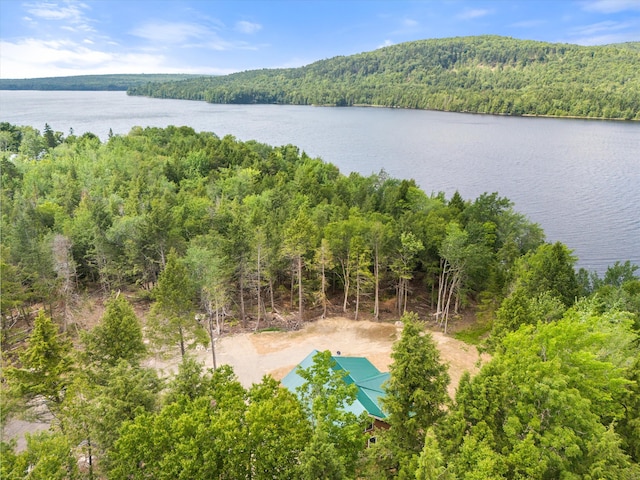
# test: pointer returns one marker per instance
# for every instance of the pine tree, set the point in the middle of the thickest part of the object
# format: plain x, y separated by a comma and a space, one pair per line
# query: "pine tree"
118, 336
45, 365
416, 391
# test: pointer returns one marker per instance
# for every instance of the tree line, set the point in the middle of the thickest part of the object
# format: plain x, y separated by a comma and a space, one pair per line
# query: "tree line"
113, 82
483, 74
258, 229
211, 231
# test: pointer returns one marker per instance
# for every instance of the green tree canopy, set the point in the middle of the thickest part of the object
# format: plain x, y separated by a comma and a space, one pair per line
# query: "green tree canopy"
117, 337
546, 405
326, 397
45, 364
416, 392
173, 318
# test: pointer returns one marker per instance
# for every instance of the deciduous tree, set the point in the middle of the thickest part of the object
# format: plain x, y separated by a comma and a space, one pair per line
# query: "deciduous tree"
299, 238
326, 397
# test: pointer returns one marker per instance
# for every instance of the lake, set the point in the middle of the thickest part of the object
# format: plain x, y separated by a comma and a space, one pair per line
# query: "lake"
579, 179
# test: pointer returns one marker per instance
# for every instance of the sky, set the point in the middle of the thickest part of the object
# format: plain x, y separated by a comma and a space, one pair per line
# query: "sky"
47, 38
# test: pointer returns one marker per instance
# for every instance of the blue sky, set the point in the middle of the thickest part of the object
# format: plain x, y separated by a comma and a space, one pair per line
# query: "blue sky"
59, 38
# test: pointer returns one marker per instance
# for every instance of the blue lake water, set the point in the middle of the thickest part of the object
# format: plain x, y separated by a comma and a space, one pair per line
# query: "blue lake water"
579, 179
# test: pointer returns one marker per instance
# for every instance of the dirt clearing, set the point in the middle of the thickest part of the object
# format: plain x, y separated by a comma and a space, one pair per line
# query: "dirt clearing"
253, 355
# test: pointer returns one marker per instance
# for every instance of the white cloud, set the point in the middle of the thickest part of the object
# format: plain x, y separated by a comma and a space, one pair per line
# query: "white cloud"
600, 27
56, 11
248, 27
610, 6
217, 44
171, 32
408, 22
386, 43
34, 58
38, 58
605, 39
528, 24
602, 33
473, 13
68, 11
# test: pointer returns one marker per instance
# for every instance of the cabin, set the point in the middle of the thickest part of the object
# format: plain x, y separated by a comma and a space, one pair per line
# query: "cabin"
361, 372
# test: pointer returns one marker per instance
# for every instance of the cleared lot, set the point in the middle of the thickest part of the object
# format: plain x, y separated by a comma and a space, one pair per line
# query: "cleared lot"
253, 355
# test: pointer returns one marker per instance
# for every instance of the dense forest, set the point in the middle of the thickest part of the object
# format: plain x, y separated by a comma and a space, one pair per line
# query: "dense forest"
485, 74
206, 234
89, 82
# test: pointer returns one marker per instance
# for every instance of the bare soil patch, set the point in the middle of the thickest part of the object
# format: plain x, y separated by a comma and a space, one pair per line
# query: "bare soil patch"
253, 355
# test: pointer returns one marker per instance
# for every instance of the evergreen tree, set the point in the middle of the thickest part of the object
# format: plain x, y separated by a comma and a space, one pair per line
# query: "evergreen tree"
173, 313
48, 456
431, 465
320, 460
416, 391
45, 365
550, 268
117, 337
299, 235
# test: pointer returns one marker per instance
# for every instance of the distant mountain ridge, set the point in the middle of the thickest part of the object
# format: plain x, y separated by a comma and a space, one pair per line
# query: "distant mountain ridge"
483, 74
89, 82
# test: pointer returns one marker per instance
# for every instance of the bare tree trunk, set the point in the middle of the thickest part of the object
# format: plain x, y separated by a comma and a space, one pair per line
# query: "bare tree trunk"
163, 260
212, 339
451, 289
65, 269
243, 318
324, 292
300, 300
219, 324
273, 303
346, 272
357, 295
293, 284
376, 274
406, 296
401, 300
259, 289
182, 350
442, 282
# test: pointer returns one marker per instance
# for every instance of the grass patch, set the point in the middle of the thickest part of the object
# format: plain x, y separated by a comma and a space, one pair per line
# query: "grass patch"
270, 329
475, 334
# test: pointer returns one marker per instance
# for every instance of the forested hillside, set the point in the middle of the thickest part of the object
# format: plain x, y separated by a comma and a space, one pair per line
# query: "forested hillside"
263, 218
88, 82
205, 233
630, 45
486, 74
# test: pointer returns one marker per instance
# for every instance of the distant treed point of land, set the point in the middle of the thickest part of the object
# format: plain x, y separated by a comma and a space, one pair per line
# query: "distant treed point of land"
96, 83
486, 74
482, 74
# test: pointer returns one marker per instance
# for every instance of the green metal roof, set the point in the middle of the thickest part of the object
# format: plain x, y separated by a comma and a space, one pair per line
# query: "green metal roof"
360, 371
